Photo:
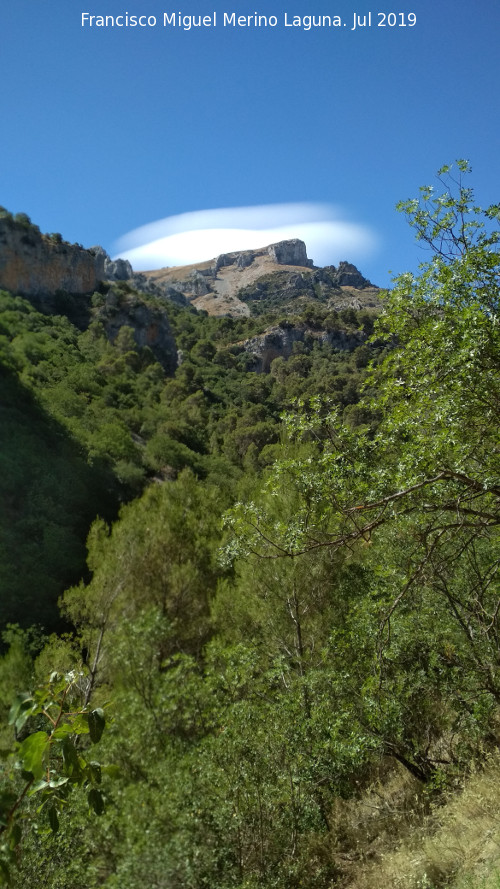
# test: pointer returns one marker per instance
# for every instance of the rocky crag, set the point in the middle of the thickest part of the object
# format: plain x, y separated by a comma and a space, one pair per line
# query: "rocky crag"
278, 342
35, 265
38, 266
121, 270
148, 322
58, 278
233, 283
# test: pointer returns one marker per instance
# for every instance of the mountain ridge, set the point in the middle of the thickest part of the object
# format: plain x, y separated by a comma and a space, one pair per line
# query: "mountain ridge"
220, 286
238, 284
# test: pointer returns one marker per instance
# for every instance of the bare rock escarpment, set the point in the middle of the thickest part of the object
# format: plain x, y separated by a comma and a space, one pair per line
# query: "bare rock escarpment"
36, 265
292, 252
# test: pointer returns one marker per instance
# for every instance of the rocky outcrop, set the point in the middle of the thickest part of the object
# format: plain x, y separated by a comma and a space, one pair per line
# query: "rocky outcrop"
240, 260
39, 266
149, 324
58, 277
157, 289
292, 252
278, 342
114, 269
117, 270
223, 260
275, 275
345, 275
195, 284
342, 287
36, 265
245, 259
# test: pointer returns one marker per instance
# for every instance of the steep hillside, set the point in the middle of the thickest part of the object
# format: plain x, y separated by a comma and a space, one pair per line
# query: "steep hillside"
296, 613
135, 382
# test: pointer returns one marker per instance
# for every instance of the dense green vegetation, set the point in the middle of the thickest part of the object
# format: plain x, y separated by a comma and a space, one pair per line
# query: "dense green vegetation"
87, 423
297, 621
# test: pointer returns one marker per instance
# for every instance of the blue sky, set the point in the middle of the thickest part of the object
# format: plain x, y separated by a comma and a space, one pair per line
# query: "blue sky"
106, 130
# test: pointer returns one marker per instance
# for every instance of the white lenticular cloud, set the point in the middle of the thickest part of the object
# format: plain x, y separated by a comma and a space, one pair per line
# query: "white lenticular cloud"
203, 235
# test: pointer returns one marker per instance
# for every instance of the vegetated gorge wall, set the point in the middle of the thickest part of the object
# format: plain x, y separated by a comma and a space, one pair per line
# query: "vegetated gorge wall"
38, 267
33, 265
278, 342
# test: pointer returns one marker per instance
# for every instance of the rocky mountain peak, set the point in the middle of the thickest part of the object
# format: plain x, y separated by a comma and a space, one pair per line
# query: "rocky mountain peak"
292, 252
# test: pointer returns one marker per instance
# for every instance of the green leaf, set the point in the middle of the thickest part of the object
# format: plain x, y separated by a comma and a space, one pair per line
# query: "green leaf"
96, 801
58, 782
94, 772
72, 765
21, 710
112, 770
79, 726
97, 722
53, 819
16, 705
62, 731
40, 785
32, 752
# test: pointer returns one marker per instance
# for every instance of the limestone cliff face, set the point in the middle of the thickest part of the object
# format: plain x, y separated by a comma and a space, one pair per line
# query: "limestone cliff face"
33, 265
292, 252
117, 270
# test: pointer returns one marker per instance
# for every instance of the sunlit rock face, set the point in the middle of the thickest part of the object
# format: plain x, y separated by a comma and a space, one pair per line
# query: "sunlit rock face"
33, 265
291, 252
113, 270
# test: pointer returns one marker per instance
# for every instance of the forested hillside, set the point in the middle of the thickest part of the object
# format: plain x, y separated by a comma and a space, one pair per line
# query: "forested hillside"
288, 616
139, 390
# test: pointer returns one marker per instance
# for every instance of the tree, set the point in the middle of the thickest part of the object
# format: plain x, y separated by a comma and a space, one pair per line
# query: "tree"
416, 503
